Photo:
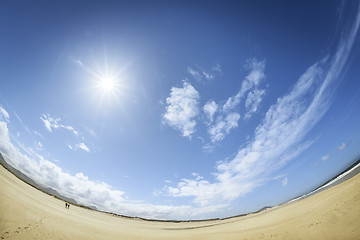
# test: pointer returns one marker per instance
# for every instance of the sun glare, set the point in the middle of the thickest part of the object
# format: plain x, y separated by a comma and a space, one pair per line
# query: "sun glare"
107, 84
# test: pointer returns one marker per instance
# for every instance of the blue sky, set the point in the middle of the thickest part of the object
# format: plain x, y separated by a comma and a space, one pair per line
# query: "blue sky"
175, 110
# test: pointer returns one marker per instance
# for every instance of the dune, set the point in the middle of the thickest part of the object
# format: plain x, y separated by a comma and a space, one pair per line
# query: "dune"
27, 213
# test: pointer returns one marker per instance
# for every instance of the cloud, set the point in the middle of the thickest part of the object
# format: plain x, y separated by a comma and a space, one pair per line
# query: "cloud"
88, 191
182, 108
222, 127
82, 146
210, 109
284, 182
4, 115
216, 68
195, 74
342, 146
252, 101
208, 148
280, 137
252, 80
202, 76
326, 157
52, 123
227, 117
39, 134
39, 146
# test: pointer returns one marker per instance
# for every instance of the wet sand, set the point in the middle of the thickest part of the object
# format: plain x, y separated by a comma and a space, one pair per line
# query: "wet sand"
27, 213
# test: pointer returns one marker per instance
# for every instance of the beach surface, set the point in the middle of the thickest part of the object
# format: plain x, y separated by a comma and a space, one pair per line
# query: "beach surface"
27, 213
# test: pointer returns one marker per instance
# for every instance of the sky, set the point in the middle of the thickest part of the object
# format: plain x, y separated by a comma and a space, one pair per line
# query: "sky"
180, 110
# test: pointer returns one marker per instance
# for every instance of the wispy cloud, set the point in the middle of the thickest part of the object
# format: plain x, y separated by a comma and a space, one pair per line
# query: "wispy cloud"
201, 75
284, 182
4, 115
83, 147
216, 68
326, 157
280, 137
182, 108
342, 146
253, 100
54, 123
227, 116
80, 146
252, 81
39, 146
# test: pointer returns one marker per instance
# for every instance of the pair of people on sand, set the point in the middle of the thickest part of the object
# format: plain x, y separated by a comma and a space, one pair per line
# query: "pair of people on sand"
67, 205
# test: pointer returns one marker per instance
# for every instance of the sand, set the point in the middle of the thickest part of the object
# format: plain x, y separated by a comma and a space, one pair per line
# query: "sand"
27, 213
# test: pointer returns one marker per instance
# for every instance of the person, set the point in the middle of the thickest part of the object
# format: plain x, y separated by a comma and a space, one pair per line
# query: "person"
65, 204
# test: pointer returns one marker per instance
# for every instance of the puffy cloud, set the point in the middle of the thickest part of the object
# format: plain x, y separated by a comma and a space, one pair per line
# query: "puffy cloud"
280, 137
210, 109
222, 127
182, 108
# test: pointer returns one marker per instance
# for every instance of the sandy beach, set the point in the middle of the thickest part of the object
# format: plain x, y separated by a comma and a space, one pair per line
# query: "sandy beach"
27, 213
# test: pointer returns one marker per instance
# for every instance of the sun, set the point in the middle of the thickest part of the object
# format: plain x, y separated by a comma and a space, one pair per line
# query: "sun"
107, 83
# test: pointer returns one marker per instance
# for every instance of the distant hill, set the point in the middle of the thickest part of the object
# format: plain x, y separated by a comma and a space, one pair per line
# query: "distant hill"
32, 183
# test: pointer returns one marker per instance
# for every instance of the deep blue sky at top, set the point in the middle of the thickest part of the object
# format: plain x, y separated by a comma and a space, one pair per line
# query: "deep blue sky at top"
155, 42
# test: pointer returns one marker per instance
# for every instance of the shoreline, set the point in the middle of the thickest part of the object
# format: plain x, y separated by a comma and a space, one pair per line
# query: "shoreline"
344, 175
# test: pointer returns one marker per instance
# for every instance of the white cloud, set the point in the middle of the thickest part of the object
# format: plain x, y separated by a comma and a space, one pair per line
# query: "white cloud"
91, 192
216, 68
326, 157
284, 182
195, 74
222, 127
182, 108
210, 109
203, 76
54, 123
39, 134
252, 80
279, 138
342, 146
4, 115
252, 101
227, 118
82, 146
39, 146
